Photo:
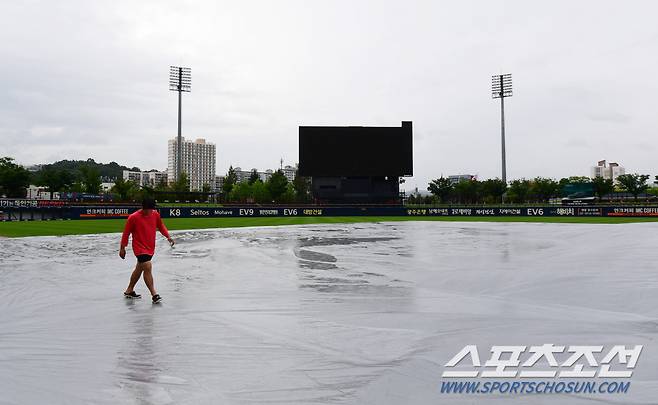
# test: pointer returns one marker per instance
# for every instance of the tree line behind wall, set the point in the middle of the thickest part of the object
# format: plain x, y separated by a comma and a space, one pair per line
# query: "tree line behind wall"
85, 177
81, 176
15, 179
275, 189
522, 191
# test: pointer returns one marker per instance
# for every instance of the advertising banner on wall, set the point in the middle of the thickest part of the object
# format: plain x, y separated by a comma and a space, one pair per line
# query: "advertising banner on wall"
251, 211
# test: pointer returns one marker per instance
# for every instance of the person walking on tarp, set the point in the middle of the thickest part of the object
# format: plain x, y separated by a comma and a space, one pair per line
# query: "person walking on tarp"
142, 225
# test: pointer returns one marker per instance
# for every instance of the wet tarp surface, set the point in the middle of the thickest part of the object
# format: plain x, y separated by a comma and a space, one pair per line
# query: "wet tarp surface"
341, 314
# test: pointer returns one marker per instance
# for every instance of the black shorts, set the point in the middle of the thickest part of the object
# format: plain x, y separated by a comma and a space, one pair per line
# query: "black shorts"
144, 258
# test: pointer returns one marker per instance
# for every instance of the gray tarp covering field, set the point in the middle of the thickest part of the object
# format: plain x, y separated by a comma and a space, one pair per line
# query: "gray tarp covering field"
354, 314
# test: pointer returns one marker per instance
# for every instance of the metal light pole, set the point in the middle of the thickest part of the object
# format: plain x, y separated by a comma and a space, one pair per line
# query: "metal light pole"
180, 80
501, 87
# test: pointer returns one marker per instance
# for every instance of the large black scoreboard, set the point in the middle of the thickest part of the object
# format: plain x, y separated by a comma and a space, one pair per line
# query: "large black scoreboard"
356, 164
356, 151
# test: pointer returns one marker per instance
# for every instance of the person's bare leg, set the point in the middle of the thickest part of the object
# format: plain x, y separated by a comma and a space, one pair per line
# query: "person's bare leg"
148, 277
134, 278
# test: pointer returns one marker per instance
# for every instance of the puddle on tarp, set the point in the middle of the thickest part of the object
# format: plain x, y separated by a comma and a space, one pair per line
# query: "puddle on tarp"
341, 314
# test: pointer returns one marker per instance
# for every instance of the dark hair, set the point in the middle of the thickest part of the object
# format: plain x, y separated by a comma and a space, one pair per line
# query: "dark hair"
148, 203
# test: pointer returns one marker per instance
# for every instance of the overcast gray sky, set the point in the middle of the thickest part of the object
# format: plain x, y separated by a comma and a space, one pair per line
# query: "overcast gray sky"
90, 79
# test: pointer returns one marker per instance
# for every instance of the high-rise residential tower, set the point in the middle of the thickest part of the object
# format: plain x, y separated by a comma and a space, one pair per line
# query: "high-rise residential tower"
198, 161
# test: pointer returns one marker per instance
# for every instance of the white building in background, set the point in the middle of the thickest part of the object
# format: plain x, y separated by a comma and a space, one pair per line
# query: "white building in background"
150, 179
219, 183
135, 177
106, 187
265, 176
609, 171
457, 178
241, 175
154, 178
39, 193
244, 175
289, 172
198, 161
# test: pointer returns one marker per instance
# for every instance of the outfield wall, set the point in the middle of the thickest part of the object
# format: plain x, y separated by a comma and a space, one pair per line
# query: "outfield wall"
188, 212
106, 212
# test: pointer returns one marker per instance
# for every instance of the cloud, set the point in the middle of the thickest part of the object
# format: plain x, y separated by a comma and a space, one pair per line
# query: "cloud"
610, 116
89, 79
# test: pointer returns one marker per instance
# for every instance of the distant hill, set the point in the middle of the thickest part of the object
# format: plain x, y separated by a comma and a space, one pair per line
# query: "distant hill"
107, 170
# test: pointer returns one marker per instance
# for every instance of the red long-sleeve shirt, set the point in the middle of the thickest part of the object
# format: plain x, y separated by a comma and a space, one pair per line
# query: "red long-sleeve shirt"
142, 226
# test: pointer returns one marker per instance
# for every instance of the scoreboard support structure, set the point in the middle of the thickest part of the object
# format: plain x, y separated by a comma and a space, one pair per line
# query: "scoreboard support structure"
356, 165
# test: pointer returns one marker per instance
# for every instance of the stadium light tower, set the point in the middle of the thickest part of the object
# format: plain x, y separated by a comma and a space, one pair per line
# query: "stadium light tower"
501, 87
180, 80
